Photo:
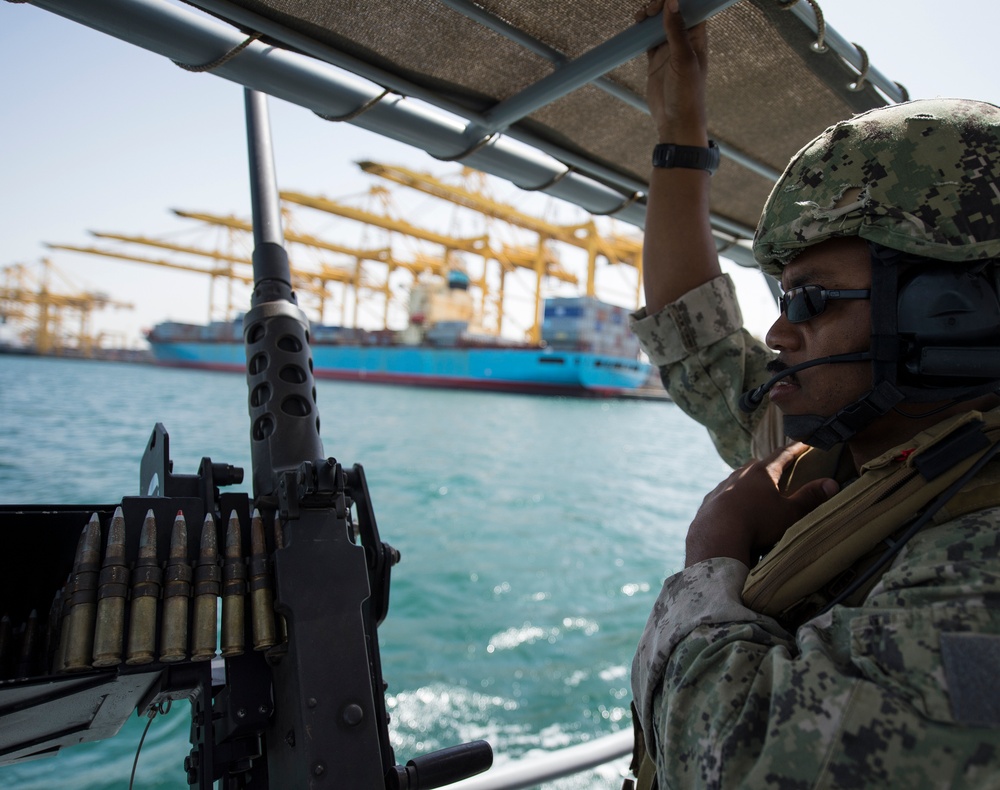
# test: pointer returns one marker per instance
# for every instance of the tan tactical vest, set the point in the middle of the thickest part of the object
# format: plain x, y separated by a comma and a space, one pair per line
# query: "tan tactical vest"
821, 554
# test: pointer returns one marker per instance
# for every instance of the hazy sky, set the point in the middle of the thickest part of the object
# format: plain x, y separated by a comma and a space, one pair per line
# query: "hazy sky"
100, 135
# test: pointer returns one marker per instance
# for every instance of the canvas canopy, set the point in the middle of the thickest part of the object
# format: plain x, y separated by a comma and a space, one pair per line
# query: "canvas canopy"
546, 93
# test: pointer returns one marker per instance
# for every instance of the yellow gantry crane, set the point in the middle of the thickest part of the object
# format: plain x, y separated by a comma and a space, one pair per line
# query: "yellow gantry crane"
28, 299
436, 265
539, 259
616, 249
225, 272
314, 279
474, 244
312, 282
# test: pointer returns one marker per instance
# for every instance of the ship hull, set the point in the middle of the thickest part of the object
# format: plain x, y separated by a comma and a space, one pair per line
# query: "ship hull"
523, 370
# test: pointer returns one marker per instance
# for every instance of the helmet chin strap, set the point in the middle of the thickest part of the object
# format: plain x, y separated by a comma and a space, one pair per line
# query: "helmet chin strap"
824, 432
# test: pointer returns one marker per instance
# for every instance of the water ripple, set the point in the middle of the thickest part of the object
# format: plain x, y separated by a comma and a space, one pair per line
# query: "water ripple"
535, 534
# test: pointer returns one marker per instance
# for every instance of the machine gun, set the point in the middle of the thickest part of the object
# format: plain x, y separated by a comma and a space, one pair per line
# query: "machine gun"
297, 700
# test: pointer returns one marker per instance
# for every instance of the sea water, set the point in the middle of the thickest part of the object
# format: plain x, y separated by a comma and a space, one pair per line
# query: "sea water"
535, 533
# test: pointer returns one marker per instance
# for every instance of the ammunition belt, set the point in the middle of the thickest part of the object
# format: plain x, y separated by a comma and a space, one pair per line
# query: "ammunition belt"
207, 578
177, 580
113, 581
146, 579
234, 573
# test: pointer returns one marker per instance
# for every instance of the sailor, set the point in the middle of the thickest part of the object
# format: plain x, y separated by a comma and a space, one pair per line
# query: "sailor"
836, 624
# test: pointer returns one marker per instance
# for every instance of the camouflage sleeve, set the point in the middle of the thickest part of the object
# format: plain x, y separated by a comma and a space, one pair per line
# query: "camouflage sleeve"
899, 692
706, 361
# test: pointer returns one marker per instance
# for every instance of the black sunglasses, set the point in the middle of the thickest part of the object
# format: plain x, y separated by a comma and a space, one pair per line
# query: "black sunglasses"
808, 301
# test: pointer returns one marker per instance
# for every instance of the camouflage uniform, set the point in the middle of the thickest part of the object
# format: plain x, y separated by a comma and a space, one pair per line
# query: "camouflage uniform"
900, 691
706, 361
919, 177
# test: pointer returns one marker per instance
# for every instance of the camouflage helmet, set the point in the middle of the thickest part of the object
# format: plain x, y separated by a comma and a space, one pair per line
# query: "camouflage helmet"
921, 177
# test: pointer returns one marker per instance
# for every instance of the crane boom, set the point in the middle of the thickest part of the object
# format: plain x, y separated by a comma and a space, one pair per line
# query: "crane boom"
382, 254
616, 248
428, 184
22, 289
474, 244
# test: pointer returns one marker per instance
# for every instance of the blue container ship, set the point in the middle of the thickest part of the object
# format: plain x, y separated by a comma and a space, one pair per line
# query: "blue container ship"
587, 350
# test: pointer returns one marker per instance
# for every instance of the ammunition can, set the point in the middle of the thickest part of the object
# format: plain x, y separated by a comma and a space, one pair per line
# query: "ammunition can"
6, 645
26, 665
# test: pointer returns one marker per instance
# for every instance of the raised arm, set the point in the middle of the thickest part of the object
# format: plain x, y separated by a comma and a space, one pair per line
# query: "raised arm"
679, 252
691, 327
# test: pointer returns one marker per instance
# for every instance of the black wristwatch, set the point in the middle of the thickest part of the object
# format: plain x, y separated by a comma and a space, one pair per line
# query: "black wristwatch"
689, 156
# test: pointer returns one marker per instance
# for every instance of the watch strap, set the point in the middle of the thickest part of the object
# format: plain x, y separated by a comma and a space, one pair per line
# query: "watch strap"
694, 157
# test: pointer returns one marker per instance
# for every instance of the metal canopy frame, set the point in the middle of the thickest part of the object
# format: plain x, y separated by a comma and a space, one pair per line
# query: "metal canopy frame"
571, 75
590, 68
594, 64
335, 85
587, 69
848, 52
185, 36
536, 47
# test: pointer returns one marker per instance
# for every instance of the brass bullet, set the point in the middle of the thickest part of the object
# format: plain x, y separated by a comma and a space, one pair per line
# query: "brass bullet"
83, 598
234, 590
146, 578
176, 595
111, 594
26, 666
261, 587
207, 578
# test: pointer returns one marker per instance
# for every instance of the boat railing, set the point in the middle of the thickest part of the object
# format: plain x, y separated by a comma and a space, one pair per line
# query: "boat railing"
535, 768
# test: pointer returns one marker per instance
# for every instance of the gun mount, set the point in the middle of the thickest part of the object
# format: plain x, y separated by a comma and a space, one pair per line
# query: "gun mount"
297, 700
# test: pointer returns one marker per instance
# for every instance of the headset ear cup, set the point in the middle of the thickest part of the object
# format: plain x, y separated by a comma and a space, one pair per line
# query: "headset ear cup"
944, 306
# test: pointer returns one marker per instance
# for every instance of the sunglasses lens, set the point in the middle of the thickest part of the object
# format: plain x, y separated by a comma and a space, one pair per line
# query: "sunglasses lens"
804, 303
